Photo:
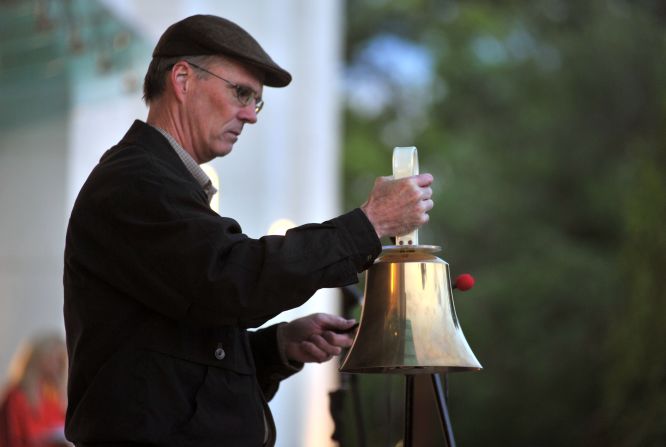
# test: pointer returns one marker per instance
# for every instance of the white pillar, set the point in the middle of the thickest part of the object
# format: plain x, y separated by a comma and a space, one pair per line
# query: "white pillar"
32, 201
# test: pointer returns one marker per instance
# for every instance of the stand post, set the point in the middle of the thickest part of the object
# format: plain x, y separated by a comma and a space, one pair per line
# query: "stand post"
443, 409
358, 414
409, 410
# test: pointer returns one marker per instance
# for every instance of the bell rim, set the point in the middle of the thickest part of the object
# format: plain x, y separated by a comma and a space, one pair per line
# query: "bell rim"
407, 370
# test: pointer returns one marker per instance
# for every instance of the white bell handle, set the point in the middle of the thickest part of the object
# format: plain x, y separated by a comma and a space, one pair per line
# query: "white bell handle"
406, 164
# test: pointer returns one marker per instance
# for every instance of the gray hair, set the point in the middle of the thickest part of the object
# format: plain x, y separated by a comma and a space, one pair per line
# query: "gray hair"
154, 83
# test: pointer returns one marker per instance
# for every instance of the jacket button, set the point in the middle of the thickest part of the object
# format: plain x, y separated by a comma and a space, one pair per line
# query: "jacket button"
219, 353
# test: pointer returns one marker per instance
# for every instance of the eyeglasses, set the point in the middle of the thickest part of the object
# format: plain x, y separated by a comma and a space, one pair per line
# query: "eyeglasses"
244, 94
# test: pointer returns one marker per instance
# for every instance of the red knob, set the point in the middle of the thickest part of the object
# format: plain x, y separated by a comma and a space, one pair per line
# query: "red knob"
464, 282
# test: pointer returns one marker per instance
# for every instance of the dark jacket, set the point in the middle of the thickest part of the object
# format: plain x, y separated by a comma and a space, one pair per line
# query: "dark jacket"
159, 292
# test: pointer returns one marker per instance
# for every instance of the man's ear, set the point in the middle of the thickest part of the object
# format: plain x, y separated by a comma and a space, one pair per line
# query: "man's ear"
180, 78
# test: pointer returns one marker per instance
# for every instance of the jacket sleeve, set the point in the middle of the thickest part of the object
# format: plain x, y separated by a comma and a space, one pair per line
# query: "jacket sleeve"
168, 250
271, 367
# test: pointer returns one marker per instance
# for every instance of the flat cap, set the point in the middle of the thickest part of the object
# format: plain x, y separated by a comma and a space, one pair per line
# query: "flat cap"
208, 34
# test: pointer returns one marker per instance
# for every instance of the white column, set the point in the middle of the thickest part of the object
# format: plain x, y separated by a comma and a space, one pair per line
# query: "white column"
32, 200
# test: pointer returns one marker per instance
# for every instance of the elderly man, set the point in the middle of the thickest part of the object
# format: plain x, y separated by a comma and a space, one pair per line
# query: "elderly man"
160, 290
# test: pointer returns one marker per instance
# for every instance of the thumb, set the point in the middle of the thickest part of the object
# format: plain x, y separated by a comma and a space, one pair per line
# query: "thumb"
336, 322
348, 323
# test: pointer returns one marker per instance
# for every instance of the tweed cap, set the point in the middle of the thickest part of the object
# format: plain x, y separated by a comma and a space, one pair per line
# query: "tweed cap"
208, 34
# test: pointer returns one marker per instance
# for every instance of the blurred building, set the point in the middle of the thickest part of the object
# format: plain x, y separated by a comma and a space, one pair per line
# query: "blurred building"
71, 74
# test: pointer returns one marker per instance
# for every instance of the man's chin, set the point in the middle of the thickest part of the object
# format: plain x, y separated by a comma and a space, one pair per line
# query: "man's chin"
225, 150
222, 147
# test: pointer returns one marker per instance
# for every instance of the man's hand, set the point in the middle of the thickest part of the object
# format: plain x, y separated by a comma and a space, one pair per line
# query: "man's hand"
315, 338
396, 207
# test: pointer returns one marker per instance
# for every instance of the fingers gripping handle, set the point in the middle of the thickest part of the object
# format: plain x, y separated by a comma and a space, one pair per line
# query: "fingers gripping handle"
406, 164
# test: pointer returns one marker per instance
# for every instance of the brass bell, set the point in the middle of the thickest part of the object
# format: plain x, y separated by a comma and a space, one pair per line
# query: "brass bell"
408, 321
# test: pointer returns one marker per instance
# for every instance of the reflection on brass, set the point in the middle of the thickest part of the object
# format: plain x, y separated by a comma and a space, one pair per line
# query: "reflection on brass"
408, 322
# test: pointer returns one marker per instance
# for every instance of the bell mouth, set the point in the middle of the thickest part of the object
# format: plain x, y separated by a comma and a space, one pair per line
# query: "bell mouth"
407, 370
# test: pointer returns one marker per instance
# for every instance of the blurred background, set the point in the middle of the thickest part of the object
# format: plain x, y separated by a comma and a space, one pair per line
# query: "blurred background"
543, 122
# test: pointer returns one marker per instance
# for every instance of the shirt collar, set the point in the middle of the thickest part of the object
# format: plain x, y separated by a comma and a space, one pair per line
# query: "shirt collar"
191, 165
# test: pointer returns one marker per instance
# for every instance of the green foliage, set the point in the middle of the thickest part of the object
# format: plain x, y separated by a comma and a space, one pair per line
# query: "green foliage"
543, 124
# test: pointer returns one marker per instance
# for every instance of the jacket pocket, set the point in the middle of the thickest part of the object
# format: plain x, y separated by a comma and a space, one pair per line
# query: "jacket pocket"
165, 391
227, 411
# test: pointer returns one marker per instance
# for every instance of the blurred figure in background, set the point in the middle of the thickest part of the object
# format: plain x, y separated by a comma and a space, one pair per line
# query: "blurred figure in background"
32, 409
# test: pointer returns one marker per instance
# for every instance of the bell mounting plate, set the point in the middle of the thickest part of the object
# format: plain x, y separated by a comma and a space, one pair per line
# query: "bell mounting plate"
411, 248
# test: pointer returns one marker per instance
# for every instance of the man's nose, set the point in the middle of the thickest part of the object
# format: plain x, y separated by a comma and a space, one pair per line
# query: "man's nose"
248, 113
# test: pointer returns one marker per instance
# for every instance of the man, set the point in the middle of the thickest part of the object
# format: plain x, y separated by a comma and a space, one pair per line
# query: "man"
160, 290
